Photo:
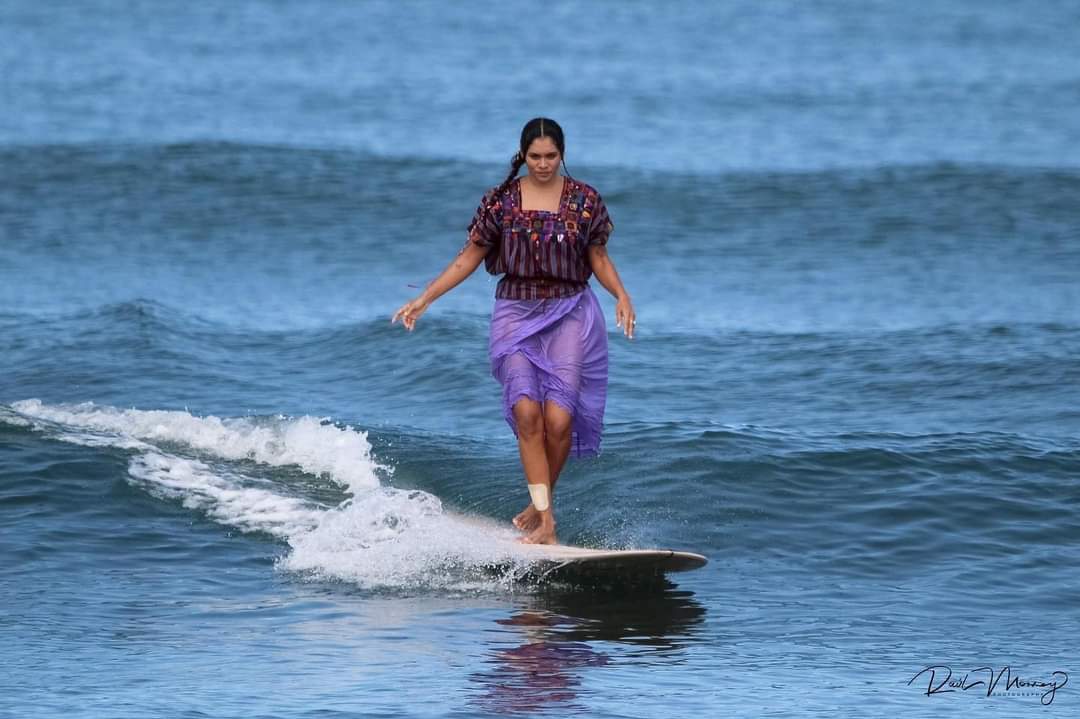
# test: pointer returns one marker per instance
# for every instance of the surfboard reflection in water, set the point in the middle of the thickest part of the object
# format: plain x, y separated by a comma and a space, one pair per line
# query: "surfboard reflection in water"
544, 651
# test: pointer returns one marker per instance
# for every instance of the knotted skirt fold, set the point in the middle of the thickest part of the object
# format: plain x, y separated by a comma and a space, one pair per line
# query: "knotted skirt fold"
554, 349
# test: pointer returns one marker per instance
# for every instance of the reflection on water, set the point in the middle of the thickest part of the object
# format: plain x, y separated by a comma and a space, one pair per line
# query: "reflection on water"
542, 672
542, 650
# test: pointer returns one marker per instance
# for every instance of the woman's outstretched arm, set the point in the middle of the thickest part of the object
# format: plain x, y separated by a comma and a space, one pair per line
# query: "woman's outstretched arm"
604, 269
463, 265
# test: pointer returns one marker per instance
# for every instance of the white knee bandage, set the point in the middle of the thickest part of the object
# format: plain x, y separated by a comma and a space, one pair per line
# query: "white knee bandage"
539, 494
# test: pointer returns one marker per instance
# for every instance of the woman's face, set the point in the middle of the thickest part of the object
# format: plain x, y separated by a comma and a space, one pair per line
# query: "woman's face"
543, 159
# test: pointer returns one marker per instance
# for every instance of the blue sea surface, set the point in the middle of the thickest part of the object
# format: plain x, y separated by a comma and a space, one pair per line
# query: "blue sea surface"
230, 487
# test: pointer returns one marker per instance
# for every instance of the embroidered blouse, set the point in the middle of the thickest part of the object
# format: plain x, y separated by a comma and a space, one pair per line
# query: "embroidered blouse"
541, 253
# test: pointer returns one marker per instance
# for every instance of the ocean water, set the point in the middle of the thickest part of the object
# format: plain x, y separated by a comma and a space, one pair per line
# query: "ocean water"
229, 487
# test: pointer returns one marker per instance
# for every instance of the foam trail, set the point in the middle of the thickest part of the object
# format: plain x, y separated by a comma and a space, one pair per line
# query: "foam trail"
386, 539
315, 446
379, 537
198, 486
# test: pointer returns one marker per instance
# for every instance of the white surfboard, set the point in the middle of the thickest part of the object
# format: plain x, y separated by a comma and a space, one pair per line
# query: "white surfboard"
567, 562
560, 561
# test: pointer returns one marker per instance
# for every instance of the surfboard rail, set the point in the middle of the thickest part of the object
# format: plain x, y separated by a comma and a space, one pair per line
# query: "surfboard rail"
559, 561
570, 562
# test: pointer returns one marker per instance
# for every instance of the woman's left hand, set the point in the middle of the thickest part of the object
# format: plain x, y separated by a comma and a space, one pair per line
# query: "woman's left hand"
410, 312
624, 316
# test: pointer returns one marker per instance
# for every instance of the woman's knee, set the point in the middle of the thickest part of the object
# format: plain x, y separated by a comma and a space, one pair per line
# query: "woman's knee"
557, 420
529, 418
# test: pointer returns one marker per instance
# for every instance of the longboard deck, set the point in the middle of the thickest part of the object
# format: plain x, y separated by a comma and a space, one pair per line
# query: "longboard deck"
564, 562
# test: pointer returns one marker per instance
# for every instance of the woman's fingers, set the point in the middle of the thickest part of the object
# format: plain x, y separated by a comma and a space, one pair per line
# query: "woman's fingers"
625, 318
408, 314
402, 314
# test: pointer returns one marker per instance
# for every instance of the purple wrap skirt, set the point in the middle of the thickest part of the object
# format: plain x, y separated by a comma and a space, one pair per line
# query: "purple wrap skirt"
554, 349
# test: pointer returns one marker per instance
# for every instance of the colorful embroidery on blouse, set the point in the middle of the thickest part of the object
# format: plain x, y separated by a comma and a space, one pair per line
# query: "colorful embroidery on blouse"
540, 253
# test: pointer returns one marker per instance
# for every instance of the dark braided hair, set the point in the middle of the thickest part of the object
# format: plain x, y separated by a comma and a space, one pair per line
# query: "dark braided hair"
534, 128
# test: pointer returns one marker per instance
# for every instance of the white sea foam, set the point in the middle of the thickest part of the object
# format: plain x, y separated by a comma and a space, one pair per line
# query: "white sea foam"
314, 445
9, 417
393, 538
222, 496
379, 537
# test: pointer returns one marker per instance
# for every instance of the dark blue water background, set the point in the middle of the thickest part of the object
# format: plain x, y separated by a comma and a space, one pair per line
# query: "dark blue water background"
229, 487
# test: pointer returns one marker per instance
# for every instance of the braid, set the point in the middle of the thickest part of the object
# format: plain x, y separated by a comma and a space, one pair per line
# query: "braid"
515, 166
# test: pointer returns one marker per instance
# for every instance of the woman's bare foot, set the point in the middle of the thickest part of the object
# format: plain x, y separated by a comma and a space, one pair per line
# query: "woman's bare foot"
543, 534
528, 520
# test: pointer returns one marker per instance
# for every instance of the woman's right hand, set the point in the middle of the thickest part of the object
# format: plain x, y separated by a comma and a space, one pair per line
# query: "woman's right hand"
410, 312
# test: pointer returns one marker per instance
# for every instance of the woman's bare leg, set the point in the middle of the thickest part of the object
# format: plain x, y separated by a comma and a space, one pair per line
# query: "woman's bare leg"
529, 518
529, 417
557, 423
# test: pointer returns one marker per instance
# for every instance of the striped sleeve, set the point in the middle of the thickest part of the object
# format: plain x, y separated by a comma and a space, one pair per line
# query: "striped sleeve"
600, 224
485, 229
